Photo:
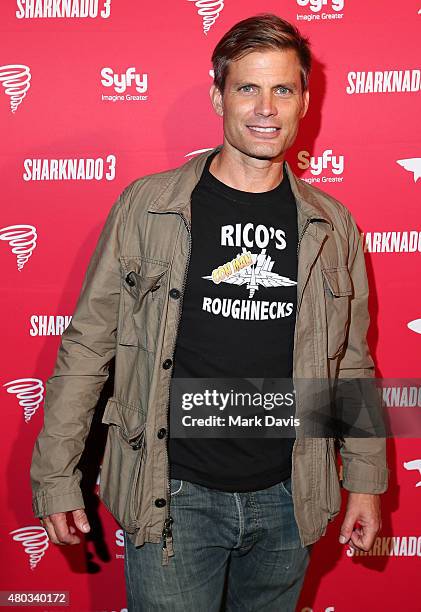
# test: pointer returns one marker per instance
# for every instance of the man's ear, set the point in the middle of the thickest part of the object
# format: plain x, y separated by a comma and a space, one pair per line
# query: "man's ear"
306, 101
216, 99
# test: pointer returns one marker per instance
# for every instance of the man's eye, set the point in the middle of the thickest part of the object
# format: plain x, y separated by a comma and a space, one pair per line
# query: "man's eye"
246, 88
283, 90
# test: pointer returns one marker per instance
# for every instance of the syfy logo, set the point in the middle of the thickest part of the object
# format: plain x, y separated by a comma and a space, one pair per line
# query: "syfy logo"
332, 12
317, 5
119, 538
333, 164
322, 162
59, 9
119, 541
121, 82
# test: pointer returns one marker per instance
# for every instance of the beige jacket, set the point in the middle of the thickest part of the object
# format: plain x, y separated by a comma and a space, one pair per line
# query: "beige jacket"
127, 310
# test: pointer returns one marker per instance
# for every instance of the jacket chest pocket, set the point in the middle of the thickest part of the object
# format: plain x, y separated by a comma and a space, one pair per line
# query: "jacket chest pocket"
142, 301
122, 471
337, 294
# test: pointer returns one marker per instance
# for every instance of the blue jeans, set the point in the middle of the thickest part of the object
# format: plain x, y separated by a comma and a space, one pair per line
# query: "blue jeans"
232, 551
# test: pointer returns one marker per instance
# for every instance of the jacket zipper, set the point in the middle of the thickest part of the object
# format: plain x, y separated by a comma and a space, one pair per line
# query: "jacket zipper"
167, 542
306, 224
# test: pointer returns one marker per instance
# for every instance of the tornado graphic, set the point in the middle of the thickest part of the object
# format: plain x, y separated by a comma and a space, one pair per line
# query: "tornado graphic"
15, 78
35, 541
22, 239
209, 11
30, 393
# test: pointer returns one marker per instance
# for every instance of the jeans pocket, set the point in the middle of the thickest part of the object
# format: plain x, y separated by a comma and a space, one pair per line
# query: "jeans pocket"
286, 487
176, 487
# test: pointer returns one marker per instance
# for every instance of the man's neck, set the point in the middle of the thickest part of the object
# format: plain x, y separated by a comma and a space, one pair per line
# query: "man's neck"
246, 173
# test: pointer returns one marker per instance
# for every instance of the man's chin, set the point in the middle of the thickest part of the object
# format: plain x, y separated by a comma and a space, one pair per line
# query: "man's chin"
260, 151
264, 154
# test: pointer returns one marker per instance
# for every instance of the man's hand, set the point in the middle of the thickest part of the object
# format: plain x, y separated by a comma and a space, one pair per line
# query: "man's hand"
363, 508
60, 532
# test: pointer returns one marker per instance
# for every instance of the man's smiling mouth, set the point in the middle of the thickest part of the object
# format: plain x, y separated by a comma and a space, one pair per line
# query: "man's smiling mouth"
256, 128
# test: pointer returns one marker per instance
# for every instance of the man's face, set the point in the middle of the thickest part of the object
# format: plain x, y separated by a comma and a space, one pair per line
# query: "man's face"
262, 103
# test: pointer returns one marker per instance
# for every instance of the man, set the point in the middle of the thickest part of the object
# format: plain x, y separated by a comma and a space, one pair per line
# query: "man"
201, 515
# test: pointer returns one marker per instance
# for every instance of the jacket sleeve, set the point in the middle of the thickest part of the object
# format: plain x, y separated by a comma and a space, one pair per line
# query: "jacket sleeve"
364, 459
87, 346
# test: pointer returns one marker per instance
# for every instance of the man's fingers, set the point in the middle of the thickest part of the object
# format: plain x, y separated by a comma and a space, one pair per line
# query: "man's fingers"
61, 529
49, 528
60, 532
81, 520
364, 538
347, 527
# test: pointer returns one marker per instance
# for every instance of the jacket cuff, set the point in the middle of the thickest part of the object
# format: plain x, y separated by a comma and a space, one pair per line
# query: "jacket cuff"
43, 504
359, 477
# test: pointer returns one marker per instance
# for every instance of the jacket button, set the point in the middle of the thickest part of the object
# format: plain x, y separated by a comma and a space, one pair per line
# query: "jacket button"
167, 364
160, 502
174, 293
161, 433
130, 280
137, 445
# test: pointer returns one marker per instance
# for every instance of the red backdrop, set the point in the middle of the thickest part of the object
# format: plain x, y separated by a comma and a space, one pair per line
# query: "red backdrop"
99, 93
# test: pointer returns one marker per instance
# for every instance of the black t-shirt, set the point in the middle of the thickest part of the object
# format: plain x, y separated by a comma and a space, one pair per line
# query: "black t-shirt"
240, 326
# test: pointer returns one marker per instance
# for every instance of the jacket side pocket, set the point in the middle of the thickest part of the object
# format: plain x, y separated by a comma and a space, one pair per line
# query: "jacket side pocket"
333, 491
121, 473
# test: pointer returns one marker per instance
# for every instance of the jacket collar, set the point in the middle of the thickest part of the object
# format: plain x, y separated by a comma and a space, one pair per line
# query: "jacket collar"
176, 192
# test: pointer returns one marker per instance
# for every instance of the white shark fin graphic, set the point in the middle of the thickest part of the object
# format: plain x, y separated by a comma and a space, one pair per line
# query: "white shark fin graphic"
413, 465
412, 164
415, 326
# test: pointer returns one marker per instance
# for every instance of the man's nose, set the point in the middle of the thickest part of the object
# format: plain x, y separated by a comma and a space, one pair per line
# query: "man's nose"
265, 105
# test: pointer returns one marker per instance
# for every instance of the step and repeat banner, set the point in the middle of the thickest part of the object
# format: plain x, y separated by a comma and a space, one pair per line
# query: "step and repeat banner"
96, 93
